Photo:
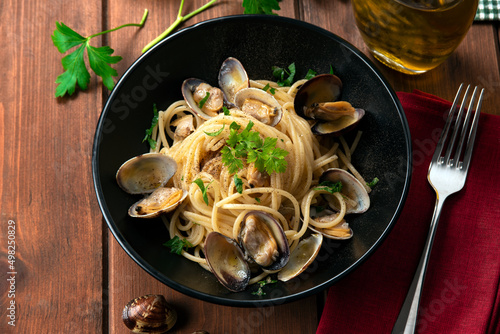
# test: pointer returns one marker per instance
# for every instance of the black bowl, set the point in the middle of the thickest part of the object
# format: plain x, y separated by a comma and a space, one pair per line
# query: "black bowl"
259, 42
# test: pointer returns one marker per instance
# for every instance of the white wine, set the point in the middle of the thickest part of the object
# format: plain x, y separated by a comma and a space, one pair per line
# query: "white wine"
413, 36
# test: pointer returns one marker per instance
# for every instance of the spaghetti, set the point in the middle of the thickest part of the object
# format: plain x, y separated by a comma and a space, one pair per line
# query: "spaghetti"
287, 196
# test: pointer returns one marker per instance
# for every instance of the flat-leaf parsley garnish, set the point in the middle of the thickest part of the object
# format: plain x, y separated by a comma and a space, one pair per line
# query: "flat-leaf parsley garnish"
203, 188
260, 6
283, 76
75, 69
373, 182
331, 187
149, 132
247, 146
177, 244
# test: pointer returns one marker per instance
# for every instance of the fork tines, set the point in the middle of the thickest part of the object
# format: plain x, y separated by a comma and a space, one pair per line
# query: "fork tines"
459, 122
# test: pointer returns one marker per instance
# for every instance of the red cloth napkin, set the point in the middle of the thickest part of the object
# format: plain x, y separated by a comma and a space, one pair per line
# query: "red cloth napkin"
461, 289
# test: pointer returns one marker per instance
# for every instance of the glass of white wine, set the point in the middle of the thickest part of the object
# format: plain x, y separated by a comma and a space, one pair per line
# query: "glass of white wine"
413, 36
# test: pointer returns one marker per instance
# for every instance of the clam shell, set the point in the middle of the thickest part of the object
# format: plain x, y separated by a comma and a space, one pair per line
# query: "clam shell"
145, 173
351, 188
157, 202
251, 231
188, 88
321, 88
262, 97
227, 262
232, 78
149, 314
339, 126
301, 257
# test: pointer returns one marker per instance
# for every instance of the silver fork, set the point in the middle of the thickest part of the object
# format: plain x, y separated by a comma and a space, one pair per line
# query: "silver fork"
447, 174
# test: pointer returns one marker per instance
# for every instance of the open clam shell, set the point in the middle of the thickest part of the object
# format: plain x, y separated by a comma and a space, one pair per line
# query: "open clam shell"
194, 90
227, 262
232, 78
162, 200
145, 173
259, 104
359, 200
318, 98
341, 125
264, 241
301, 257
321, 88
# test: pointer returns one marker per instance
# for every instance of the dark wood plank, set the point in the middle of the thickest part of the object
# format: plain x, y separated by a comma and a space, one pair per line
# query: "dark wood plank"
45, 148
126, 279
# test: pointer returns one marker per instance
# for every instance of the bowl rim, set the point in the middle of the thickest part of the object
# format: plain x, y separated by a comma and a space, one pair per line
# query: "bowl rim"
217, 299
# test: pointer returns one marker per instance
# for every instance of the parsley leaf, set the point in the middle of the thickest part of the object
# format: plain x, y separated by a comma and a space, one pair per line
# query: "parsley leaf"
249, 146
310, 74
149, 132
331, 187
238, 183
75, 69
271, 89
215, 133
203, 100
283, 76
262, 283
373, 182
226, 111
201, 185
177, 244
260, 6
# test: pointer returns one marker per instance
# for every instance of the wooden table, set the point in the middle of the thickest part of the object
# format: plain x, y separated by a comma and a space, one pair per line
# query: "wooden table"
71, 276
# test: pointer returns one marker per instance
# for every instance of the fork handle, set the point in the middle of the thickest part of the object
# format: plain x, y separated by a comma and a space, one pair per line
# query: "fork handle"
407, 318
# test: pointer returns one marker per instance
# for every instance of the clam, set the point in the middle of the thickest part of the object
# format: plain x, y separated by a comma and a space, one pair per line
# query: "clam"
149, 314
259, 104
264, 241
357, 198
232, 78
301, 257
145, 173
227, 262
195, 91
341, 125
160, 201
317, 99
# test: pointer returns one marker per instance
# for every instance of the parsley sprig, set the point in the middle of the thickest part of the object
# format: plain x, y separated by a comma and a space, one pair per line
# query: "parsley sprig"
260, 6
177, 244
203, 188
248, 146
331, 187
263, 283
99, 58
149, 132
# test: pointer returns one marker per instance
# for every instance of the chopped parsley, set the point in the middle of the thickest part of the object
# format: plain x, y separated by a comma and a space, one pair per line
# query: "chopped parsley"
283, 76
177, 244
238, 183
226, 111
149, 132
215, 133
262, 283
201, 185
204, 100
373, 182
310, 74
331, 187
249, 145
268, 87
